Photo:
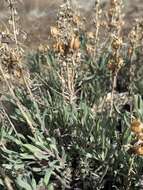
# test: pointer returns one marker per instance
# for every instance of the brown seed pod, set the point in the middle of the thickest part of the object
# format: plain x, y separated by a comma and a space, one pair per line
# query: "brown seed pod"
117, 43
17, 72
138, 150
72, 42
111, 66
140, 136
76, 20
130, 51
59, 47
90, 35
54, 31
119, 62
75, 43
137, 126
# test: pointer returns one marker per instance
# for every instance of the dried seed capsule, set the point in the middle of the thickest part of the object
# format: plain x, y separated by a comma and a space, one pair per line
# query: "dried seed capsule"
54, 31
139, 150
137, 126
60, 47
75, 43
76, 20
140, 136
90, 35
72, 43
17, 72
117, 43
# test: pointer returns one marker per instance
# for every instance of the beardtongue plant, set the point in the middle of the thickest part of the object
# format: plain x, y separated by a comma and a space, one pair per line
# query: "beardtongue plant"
70, 126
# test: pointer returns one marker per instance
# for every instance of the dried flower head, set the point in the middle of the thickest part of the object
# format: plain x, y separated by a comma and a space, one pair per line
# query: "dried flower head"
43, 48
115, 15
117, 43
65, 37
136, 34
115, 63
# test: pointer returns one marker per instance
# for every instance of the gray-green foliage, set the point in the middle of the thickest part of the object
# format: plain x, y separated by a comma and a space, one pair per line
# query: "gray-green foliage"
73, 145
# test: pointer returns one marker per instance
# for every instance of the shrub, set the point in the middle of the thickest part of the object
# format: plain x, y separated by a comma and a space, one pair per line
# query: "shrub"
74, 104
